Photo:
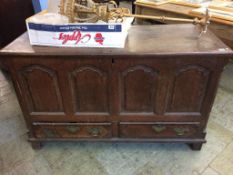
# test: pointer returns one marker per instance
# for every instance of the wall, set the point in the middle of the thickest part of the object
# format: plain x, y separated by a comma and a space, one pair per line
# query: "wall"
39, 5
12, 19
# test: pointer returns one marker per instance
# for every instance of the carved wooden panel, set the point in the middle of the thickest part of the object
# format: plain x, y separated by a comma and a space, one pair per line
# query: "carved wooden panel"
41, 88
188, 89
138, 89
90, 90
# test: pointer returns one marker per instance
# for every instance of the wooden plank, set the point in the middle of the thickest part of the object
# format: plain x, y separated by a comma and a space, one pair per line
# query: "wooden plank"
183, 10
160, 39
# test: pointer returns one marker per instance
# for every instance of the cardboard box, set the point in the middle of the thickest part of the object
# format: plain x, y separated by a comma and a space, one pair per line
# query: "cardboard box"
78, 34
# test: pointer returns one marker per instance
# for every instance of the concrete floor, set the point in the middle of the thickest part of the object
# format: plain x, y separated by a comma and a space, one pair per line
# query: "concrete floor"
216, 157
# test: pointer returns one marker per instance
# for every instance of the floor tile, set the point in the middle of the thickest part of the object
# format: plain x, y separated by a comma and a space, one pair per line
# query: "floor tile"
11, 128
178, 159
36, 166
125, 158
224, 161
222, 110
92, 167
79, 162
55, 153
14, 153
223, 134
149, 169
210, 171
226, 79
10, 109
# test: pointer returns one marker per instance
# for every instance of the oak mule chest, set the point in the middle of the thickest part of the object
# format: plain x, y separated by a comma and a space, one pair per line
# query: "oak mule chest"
159, 88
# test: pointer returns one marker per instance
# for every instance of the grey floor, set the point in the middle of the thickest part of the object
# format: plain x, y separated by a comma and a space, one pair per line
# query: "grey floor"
216, 157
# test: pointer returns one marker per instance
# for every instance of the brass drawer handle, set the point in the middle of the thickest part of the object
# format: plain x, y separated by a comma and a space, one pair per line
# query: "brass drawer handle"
72, 129
159, 128
49, 133
181, 131
95, 131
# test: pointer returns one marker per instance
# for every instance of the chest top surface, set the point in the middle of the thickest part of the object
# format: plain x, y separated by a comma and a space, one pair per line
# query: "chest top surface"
142, 40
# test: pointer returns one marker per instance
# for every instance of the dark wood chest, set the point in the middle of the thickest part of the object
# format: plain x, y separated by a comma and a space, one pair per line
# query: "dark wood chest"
159, 88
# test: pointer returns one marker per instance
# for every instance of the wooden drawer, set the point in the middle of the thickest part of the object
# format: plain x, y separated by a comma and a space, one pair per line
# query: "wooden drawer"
151, 130
72, 130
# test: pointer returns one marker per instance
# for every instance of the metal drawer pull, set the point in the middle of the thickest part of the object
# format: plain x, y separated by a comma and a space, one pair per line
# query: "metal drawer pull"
180, 131
49, 133
72, 129
94, 131
158, 128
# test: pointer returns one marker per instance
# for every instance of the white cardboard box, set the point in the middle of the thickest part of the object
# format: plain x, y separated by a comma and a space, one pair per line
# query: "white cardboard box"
78, 34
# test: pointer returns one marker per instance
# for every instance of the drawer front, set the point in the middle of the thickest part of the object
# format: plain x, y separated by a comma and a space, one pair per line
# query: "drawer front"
145, 130
67, 130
